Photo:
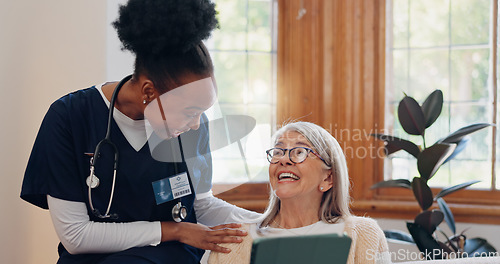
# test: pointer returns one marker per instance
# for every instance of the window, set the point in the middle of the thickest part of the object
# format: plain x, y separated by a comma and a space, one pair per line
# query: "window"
332, 70
446, 45
244, 54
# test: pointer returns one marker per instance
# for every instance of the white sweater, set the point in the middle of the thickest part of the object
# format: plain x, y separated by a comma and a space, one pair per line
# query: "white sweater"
368, 242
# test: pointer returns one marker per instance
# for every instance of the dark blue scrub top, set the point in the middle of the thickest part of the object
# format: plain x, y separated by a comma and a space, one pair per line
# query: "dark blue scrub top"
59, 167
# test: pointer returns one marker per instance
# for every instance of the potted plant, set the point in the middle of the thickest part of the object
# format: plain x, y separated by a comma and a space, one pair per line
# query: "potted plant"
415, 119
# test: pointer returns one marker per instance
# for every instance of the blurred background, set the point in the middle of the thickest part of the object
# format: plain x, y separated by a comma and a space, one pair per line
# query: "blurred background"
50, 48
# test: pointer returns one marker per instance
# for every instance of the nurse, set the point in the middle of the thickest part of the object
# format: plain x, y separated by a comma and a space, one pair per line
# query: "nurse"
149, 211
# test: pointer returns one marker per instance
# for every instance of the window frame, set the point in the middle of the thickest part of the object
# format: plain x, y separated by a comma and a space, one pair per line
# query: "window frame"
341, 44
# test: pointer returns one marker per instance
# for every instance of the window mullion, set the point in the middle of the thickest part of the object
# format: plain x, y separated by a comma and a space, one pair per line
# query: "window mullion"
494, 60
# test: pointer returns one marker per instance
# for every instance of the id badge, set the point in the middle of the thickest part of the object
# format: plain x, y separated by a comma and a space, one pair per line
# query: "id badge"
171, 188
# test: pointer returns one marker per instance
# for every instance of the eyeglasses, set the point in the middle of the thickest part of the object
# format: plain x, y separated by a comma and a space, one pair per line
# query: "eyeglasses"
296, 155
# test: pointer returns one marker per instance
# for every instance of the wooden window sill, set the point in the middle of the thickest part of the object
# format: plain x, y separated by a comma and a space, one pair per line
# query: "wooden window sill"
254, 196
468, 213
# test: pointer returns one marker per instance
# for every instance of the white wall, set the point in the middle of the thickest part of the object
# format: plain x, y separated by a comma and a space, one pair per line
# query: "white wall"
47, 49
118, 63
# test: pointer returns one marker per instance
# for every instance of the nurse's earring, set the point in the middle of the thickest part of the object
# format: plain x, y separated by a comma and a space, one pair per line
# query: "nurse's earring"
321, 188
147, 99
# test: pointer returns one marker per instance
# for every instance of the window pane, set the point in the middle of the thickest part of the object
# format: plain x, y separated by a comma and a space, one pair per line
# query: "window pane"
463, 114
231, 171
428, 72
259, 26
468, 170
261, 113
470, 73
402, 168
474, 29
230, 73
233, 25
400, 75
400, 23
260, 78
429, 20
459, 171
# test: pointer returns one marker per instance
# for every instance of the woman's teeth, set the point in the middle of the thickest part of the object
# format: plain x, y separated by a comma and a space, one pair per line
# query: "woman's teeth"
286, 176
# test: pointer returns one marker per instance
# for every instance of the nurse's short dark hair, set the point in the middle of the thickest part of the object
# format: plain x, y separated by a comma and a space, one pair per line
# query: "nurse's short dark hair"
166, 37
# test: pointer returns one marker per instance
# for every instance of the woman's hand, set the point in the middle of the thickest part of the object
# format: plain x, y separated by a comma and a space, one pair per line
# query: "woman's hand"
201, 236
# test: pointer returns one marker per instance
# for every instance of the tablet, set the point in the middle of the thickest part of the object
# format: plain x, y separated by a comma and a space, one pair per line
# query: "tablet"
309, 249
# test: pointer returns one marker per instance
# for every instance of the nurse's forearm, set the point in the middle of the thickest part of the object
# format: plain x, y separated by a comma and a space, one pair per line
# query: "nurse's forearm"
80, 235
201, 236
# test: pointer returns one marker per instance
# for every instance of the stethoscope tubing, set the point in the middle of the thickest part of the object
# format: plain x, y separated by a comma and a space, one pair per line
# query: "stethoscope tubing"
179, 211
107, 140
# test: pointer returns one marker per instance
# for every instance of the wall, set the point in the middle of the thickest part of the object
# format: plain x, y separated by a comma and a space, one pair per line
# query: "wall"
47, 49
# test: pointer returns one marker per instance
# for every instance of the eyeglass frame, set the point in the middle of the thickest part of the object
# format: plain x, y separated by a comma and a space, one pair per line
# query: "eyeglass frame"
309, 150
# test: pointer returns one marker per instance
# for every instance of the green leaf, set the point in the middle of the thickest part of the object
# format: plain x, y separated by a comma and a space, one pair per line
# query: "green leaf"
432, 107
477, 246
398, 237
455, 188
393, 144
456, 136
429, 220
460, 146
425, 242
429, 160
411, 116
448, 215
422, 193
399, 183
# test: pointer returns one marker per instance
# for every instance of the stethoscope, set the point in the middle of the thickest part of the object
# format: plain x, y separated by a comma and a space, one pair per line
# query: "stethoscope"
179, 211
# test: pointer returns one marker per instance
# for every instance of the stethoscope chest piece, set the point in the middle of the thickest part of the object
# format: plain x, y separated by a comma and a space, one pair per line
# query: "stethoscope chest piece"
92, 181
179, 212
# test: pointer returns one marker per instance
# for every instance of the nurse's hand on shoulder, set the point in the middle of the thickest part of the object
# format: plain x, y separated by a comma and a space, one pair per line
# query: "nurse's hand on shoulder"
201, 236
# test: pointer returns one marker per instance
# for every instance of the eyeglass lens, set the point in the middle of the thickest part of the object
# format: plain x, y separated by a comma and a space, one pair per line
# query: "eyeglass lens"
296, 155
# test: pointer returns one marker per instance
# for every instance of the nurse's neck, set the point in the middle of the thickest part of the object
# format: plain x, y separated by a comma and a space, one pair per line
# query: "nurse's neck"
128, 101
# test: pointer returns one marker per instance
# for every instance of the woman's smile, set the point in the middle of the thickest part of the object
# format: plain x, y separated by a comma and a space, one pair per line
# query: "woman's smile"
287, 177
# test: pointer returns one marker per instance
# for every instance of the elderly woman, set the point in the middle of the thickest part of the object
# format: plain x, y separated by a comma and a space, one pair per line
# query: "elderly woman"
310, 195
